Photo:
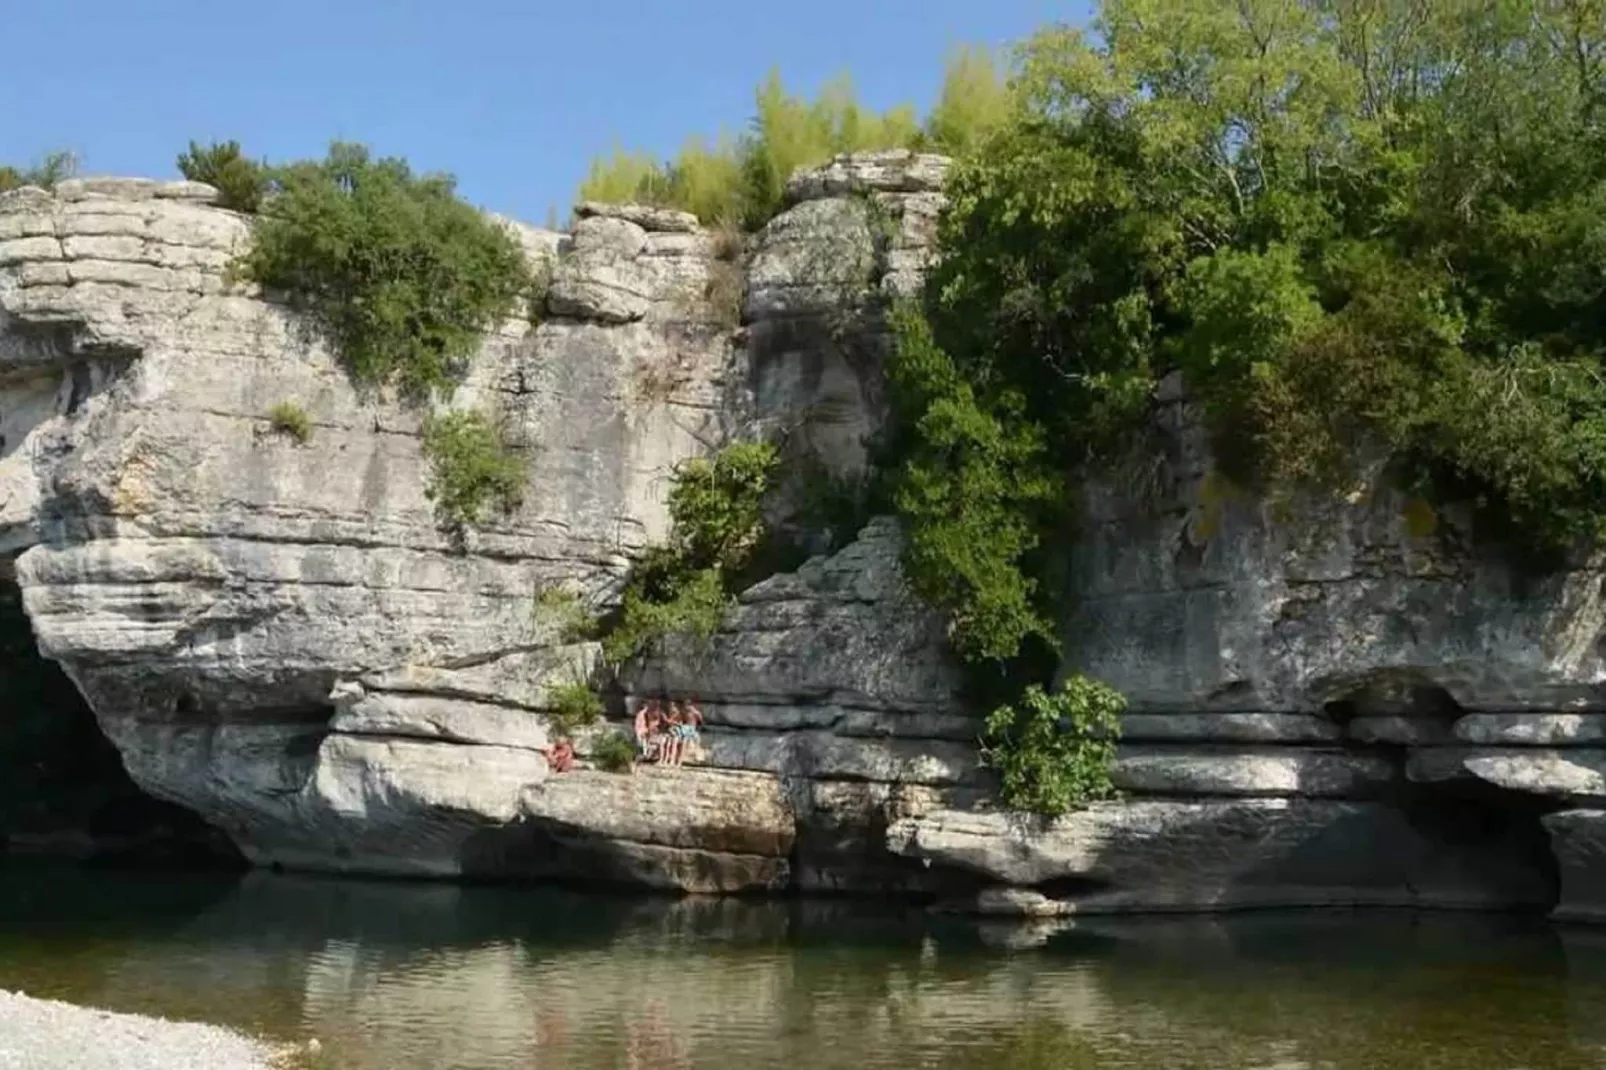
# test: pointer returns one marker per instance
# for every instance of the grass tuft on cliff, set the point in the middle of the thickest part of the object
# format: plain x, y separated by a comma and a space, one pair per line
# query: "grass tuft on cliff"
402, 276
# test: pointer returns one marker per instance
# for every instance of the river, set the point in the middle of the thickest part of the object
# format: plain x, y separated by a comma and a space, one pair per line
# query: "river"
396, 976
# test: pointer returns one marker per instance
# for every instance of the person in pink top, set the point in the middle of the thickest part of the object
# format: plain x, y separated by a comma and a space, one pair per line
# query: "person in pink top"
648, 720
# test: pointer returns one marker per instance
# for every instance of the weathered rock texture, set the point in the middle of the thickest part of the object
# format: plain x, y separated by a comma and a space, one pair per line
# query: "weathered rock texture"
280, 635
1332, 702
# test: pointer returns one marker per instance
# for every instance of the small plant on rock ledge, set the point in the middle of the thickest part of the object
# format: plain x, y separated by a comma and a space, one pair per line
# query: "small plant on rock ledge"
471, 468
238, 179
1053, 752
291, 419
613, 753
572, 706
56, 167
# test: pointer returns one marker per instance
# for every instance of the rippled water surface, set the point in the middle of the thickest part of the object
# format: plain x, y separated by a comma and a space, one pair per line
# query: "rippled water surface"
421, 977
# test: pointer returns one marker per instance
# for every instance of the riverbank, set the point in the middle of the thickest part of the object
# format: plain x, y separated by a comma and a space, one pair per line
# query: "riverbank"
40, 1034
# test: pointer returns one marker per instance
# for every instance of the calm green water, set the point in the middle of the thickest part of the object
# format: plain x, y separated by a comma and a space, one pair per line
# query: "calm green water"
418, 977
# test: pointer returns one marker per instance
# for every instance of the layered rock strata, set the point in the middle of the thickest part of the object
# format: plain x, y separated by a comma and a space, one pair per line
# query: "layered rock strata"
1334, 702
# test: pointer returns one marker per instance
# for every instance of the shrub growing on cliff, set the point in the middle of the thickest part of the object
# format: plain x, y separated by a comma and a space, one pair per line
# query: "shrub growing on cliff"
717, 529
238, 179
716, 506
572, 705
402, 275
53, 169
613, 753
1053, 752
471, 469
973, 486
664, 602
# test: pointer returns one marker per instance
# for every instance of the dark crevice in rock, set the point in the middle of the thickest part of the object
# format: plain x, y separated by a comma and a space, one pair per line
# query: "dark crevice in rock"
63, 788
1493, 837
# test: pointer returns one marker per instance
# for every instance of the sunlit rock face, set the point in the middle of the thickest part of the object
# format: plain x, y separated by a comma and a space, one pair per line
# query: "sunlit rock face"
1332, 701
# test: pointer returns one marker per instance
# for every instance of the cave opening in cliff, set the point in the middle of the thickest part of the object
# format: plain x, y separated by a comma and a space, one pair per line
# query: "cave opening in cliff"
1481, 843
63, 788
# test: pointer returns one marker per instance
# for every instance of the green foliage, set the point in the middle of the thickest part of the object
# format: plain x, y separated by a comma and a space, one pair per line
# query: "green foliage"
564, 608
401, 275
716, 506
572, 705
974, 103
54, 168
471, 468
743, 179
613, 752
662, 602
1053, 752
717, 529
239, 180
1340, 220
291, 419
972, 488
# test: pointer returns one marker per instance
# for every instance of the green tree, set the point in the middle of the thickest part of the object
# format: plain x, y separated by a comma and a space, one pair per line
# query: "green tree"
743, 180
1339, 218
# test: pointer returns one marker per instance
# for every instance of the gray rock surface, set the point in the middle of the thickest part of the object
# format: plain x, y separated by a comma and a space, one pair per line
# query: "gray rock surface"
40, 1034
1159, 855
1195, 595
1578, 839
1331, 701
280, 635
1285, 771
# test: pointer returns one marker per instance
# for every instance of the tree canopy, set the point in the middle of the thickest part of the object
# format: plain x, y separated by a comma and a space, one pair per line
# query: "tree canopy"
1338, 218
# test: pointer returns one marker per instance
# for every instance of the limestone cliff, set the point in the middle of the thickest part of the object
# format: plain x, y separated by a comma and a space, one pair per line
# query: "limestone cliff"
1338, 703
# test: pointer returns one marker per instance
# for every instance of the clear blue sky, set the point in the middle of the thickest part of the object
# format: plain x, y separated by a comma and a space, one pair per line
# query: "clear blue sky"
512, 96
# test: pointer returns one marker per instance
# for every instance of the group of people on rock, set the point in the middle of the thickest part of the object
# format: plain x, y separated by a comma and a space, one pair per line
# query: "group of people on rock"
666, 730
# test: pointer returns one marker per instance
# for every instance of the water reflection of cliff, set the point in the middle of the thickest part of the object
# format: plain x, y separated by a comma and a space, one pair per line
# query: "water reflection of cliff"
398, 977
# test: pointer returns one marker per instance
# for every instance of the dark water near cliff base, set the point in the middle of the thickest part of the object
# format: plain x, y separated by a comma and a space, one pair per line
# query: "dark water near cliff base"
423, 977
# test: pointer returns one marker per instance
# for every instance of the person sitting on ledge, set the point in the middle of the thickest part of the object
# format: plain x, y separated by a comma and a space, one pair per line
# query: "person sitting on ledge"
691, 718
560, 756
672, 736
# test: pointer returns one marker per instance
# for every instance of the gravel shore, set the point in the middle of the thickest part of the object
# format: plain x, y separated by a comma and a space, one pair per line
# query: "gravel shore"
39, 1034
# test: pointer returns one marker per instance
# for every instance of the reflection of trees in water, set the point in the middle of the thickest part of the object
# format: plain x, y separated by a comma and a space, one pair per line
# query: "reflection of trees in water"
406, 977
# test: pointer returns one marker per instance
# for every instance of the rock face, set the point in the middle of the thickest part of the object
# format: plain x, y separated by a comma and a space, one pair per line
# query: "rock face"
1332, 702
209, 585
281, 636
